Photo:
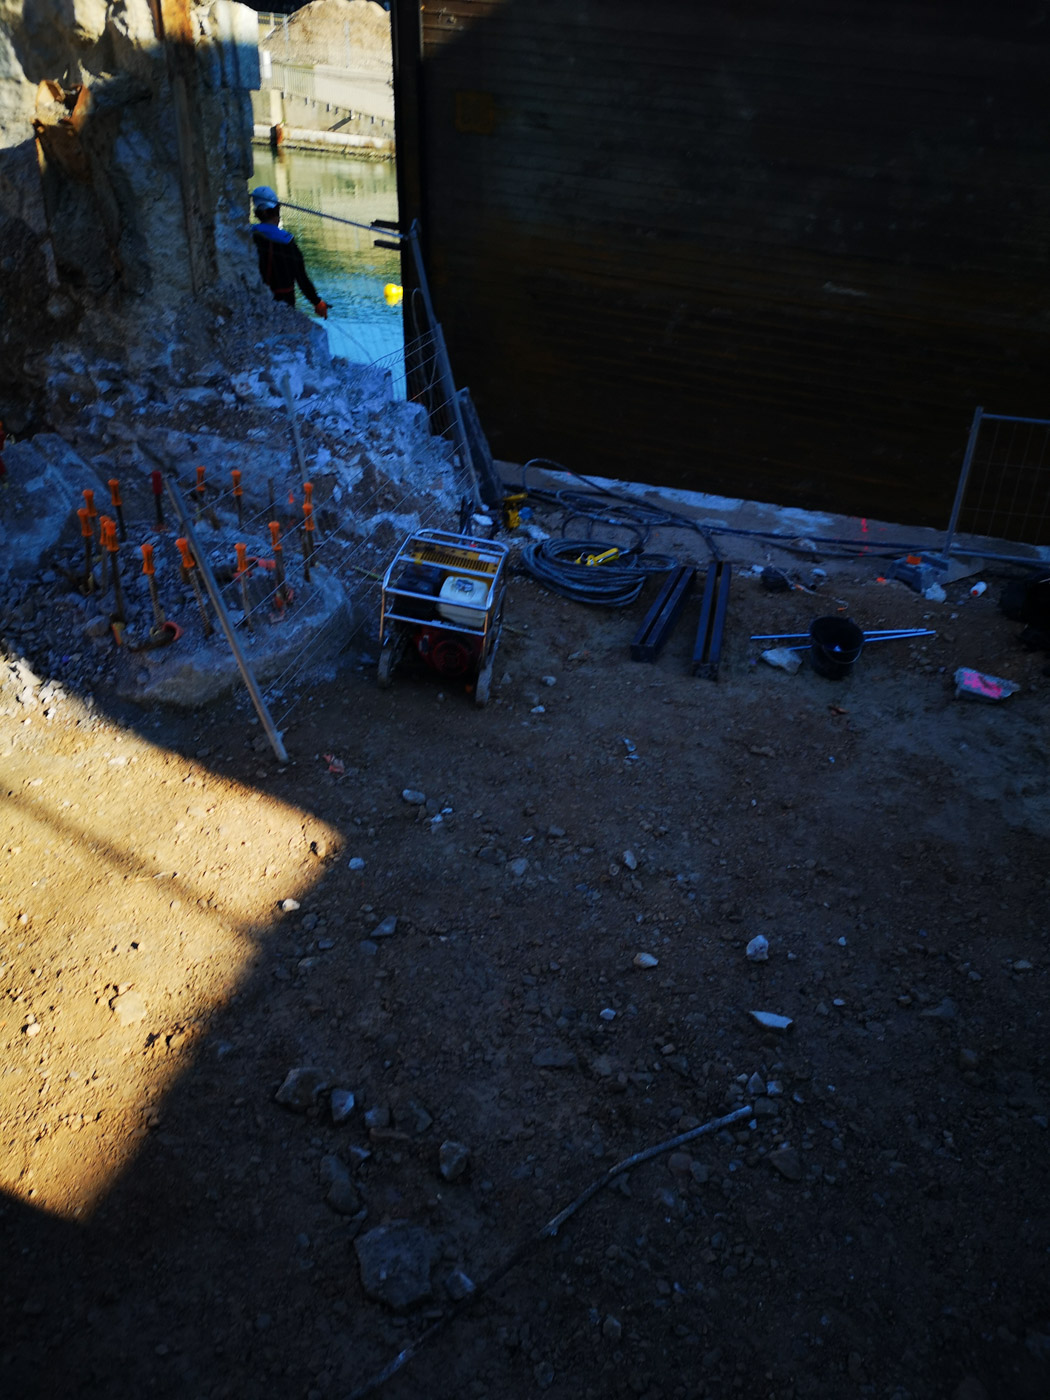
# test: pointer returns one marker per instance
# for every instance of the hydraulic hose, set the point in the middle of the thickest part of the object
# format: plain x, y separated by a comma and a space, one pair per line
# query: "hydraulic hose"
561, 566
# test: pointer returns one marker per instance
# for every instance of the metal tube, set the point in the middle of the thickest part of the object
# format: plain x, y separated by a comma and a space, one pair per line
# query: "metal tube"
444, 368
964, 476
335, 219
289, 403
227, 626
885, 632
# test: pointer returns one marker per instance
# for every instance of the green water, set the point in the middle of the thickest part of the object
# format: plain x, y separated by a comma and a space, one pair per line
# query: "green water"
347, 270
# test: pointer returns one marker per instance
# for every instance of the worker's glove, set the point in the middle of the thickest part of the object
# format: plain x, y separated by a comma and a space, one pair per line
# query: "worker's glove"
322, 310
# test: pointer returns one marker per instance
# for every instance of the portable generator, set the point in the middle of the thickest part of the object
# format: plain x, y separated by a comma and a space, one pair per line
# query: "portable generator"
442, 603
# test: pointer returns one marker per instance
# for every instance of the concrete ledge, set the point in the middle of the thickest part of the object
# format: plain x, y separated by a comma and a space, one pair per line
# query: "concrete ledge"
302, 139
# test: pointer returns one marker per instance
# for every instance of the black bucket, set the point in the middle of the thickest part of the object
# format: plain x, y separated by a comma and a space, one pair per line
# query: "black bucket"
834, 645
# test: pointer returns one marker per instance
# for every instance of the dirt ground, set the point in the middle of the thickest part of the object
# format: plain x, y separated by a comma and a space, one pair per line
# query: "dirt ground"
185, 921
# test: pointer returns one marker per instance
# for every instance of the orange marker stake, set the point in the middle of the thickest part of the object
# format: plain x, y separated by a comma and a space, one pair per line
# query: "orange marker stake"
189, 575
88, 537
150, 569
199, 490
104, 523
243, 570
157, 483
308, 538
278, 561
112, 544
92, 509
118, 505
238, 495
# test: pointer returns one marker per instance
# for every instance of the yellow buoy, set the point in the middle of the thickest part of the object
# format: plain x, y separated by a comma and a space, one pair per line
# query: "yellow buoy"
393, 293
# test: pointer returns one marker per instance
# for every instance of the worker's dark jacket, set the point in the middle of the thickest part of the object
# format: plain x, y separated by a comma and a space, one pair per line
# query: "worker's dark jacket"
281, 264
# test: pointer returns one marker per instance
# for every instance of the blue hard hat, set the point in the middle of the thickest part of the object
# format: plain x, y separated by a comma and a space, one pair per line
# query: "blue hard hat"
265, 198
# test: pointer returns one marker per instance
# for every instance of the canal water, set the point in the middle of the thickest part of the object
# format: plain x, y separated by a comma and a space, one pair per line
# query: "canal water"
349, 272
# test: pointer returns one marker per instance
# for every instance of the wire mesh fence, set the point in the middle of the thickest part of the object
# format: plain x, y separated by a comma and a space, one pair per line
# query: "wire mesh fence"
1004, 484
298, 572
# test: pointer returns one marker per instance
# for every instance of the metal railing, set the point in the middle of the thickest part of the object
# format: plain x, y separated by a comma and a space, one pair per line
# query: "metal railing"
1003, 491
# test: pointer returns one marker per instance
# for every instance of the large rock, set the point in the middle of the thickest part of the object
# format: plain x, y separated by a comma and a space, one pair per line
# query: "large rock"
46, 480
188, 675
395, 1262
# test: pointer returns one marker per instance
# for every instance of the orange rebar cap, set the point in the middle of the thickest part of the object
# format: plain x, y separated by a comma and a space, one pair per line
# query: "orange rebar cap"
183, 546
114, 491
85, 522
275, 534
148, 566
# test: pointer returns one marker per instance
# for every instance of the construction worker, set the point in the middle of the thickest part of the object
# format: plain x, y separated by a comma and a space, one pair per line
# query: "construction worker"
280, 260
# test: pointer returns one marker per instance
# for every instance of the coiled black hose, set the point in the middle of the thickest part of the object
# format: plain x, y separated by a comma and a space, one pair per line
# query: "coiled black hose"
614, 583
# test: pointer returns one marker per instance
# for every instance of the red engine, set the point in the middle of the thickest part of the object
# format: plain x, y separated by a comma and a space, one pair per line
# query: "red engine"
454, 655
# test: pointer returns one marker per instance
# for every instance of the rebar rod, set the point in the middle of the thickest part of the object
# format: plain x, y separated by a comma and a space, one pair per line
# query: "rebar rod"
227, 626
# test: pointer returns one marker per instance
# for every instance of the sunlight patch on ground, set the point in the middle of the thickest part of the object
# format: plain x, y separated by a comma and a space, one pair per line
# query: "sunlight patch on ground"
136, 887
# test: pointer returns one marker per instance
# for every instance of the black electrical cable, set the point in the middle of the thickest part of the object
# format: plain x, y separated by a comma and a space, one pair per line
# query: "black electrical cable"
561, 566
603, 505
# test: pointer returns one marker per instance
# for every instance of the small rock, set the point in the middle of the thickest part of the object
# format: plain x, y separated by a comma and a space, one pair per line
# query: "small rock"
549, 680
453, 1159
554, 1059
645, 960
1022, 965
355, 863
369, 948
756, 1085
944, 1011
412, 1117
612, 1329
518, 867
458, 1286
630, 860
770, 1021
128, 1007
342, 1196
33, 1028
607, 1014
289, 905
787, 1163
414, 798
758, 949
342, 1103
301, 1088
378, 1116
395, 1262
386, 929
970, 1388
782, 659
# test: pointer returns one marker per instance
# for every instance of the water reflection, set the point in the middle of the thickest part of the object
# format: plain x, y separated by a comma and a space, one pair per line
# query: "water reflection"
349, 272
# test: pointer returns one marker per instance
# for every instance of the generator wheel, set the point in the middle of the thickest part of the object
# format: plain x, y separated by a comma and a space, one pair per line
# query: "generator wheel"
483, 685
388, 659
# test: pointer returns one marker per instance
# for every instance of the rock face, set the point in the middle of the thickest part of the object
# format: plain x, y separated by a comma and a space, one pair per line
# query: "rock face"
125, 144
